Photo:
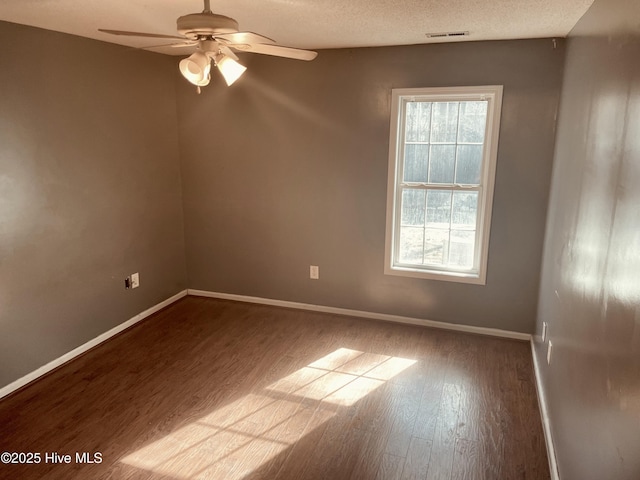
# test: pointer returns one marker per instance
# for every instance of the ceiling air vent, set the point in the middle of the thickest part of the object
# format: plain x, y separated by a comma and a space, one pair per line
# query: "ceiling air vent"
447, 34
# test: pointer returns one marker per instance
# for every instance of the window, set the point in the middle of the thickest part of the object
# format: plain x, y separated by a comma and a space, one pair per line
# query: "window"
442, 161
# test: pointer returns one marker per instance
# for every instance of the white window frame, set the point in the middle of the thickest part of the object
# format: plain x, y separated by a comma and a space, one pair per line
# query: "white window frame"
399, 97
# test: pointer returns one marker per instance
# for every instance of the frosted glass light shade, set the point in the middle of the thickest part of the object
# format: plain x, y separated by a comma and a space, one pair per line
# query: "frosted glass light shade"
230, 69
196, 69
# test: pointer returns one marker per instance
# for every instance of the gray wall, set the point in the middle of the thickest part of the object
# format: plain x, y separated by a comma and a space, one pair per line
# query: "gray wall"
590, 288
89, 191
288, 168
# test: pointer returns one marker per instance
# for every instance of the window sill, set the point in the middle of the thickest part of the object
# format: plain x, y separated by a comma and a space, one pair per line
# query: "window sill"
445, 276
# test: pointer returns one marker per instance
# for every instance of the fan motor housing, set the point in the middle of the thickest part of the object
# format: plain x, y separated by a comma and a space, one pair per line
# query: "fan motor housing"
196, 25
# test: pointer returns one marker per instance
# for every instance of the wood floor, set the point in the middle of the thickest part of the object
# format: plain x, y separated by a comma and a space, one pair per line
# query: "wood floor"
212, 389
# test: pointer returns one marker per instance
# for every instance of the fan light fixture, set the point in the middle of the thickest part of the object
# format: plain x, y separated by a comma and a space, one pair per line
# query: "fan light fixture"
229, 68
197, 68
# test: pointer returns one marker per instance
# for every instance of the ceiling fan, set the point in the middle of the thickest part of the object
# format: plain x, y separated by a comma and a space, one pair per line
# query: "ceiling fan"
216, 37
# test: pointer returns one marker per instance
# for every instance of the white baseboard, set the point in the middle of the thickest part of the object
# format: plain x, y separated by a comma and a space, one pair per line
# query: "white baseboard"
30, 377
544, 414
494, 332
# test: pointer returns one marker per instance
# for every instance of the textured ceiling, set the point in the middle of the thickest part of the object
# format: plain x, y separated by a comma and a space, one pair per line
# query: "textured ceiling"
313, 24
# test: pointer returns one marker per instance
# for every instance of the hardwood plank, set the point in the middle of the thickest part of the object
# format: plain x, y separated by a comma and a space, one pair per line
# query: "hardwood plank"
377, 425
467, 464
298, 458
435, 367
288, 432
404, 418
390, 467
417, 461
442, 451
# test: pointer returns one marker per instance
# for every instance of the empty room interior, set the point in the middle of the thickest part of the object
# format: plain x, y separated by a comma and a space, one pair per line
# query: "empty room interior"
302, 240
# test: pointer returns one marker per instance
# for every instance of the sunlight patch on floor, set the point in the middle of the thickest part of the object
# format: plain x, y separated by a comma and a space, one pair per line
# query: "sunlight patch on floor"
343, 377
238, 438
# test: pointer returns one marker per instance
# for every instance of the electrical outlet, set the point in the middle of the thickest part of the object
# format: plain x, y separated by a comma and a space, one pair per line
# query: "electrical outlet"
549, 353
544, 332
135, 280
314, 272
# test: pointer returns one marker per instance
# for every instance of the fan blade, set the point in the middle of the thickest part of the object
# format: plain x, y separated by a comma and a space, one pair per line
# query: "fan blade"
278, 51
244, 38
172, 45
139, 34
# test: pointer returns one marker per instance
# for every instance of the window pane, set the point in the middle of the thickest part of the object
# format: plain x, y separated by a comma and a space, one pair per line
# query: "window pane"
438, 208
413, 207
416, 160
473, 119
436, 246
442, 163
444, 126
461, 248
468, 164
418, 121
465, 209
411, 244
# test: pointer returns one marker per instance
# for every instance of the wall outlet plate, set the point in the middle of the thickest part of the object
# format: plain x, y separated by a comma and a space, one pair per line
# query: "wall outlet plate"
314, 272
135, 280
